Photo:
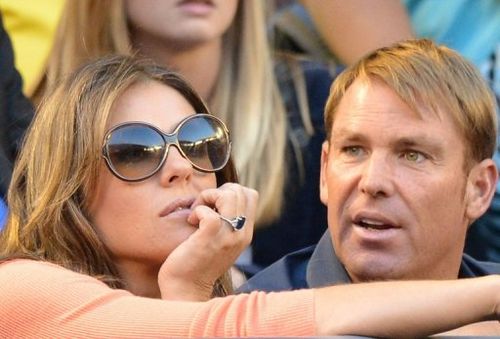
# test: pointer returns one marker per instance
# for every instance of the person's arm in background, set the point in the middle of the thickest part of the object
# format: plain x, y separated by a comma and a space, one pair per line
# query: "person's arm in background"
16, 111
352, 28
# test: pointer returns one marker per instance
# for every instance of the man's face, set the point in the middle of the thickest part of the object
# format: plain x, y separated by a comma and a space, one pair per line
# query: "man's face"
397, 193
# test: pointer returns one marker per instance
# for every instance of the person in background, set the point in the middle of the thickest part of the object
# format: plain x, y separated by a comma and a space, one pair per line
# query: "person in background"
31, 25
339, 31
86, 252
15, 111
403, 175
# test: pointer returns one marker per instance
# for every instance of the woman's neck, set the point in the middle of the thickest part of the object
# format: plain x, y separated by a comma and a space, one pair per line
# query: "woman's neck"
199, 64
140, 279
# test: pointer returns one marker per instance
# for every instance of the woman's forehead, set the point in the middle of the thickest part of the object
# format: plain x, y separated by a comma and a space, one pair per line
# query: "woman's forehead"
152, 102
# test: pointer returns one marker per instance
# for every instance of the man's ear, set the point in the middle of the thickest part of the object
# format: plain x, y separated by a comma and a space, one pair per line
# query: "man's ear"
323, 179
481, 185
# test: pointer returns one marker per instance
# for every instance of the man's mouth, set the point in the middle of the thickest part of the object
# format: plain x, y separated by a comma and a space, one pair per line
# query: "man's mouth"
374, 223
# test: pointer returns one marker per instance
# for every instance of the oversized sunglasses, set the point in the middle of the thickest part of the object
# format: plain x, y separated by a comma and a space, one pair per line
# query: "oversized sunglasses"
135, 151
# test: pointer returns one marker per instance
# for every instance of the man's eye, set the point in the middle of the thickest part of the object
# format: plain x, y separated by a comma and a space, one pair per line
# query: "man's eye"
413, 156
352, 150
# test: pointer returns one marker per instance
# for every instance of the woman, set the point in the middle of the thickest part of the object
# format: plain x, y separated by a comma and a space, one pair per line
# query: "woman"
87, 252
60, 192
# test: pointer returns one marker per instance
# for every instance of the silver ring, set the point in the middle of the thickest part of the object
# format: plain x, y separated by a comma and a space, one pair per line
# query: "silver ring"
236, 223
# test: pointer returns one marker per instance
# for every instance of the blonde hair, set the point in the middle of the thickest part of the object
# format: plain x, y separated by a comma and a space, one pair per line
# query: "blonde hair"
246, 95
58, 167
427, 76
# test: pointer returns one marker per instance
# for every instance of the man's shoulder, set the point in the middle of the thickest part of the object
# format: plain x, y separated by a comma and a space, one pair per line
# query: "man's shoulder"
471, 267
288, 273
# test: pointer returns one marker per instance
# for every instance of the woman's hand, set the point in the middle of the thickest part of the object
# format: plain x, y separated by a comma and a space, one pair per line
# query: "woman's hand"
190, 271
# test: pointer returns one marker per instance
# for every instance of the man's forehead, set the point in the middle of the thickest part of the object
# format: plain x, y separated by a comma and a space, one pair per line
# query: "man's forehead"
396, 126
371, 94
394, 137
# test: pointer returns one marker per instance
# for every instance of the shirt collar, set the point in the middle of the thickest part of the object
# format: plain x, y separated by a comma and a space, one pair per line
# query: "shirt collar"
324, 267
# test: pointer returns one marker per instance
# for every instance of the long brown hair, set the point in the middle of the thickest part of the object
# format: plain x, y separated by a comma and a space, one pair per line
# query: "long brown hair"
58, 167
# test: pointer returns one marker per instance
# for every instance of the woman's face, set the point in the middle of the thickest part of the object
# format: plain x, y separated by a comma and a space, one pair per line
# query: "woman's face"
180, 23
142, 222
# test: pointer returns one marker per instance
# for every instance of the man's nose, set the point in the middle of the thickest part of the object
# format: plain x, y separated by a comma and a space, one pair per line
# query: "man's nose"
176, 168
377, 176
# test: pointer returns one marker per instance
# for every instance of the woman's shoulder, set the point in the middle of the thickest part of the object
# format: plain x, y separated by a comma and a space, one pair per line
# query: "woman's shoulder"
28, 280
39, 297
24, 268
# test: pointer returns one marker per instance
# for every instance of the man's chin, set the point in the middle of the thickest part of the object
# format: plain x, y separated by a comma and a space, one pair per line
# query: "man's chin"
375, 270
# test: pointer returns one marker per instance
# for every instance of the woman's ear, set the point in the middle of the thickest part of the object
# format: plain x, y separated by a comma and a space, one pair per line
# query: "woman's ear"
323, 179
481, 185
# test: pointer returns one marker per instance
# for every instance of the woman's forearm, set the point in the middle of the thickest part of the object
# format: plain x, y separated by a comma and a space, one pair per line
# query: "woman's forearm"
398, 309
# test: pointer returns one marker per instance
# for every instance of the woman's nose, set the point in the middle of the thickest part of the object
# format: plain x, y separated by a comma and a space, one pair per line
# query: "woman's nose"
176, 168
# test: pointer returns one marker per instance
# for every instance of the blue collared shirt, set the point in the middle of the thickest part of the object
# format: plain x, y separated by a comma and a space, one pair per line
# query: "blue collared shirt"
318, 266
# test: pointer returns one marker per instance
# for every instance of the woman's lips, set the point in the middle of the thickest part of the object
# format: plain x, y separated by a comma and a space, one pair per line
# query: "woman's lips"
194, 7
177, 205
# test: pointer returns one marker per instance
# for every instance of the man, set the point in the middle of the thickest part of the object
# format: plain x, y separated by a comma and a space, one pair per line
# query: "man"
405, 170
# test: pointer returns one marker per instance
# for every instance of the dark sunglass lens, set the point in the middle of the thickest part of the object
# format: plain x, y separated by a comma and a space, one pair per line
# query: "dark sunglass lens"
205, 142
135, 151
